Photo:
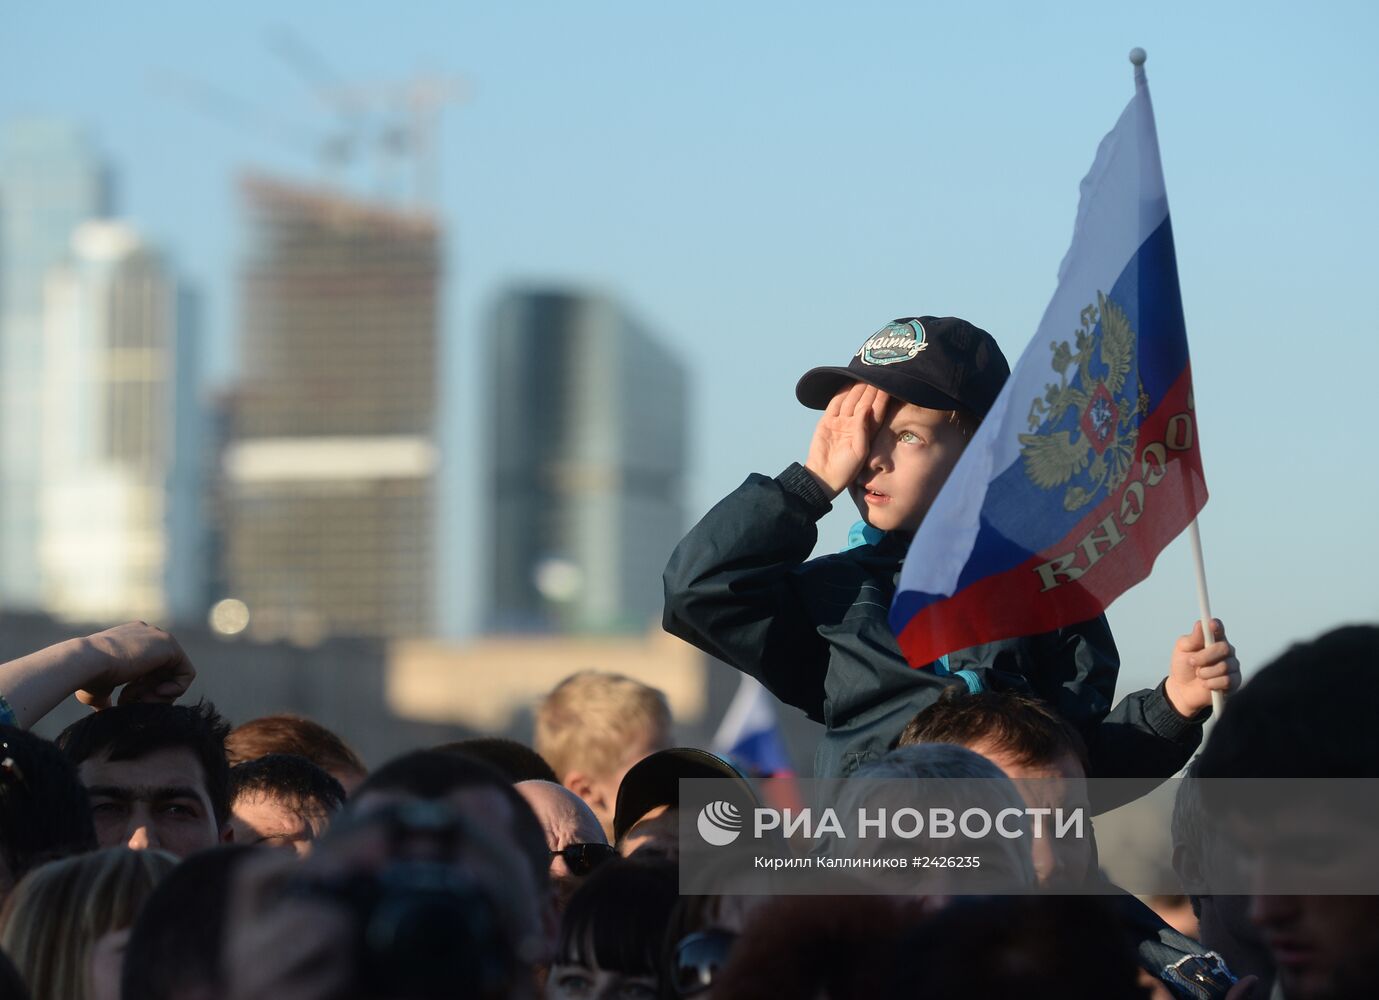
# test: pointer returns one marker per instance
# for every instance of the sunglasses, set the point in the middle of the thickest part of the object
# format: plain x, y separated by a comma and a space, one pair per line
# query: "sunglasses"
698, 957
581, 859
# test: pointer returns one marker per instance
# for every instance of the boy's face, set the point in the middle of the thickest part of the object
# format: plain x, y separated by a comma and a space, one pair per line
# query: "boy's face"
912, 453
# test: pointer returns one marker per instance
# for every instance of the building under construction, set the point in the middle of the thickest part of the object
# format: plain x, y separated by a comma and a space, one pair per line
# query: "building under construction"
329, 471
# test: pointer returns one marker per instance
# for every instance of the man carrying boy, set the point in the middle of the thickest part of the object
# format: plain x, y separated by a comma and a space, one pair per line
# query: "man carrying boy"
816, 634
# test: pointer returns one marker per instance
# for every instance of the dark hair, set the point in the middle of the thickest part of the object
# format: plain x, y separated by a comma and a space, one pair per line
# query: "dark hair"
175, 945
293, 779
620, 913
434, 774
11, 982
128, 732
517, 760
1063, 946
834, 946
1277, 726
44, 809
292, 734
1015, 724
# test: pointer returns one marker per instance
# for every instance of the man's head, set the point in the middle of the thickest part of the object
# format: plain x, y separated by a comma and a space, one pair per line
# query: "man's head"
943, 775
282, 800
1199, 858
593, 727
647, 814
1283, 725
517, 760
156, 774
184, 917
942, 374
1034, 747
303, 737
573, 833
475, 789
410, 899
1018, 733
44, 810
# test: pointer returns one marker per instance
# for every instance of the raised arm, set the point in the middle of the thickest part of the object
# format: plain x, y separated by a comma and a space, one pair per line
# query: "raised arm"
731, 589
142, 657
732, 584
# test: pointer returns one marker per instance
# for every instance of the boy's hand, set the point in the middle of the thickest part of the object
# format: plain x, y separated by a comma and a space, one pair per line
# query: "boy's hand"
1197, 670
842, 440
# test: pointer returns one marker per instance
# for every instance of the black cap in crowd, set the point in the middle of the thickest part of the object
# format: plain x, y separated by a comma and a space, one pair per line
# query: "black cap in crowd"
941, 362
655, 781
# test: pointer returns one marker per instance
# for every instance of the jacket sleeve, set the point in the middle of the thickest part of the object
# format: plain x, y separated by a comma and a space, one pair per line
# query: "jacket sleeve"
1143, 741
732, 586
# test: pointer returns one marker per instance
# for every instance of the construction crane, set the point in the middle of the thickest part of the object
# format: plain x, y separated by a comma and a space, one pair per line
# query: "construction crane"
389, 124
393, 121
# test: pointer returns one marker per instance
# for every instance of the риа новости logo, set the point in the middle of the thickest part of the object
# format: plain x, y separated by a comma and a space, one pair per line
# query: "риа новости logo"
720, 823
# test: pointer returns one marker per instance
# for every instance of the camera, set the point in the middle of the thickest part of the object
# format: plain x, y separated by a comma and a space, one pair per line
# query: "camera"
423, 930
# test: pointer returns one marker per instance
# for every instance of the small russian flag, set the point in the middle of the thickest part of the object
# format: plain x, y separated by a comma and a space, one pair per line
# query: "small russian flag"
749, 734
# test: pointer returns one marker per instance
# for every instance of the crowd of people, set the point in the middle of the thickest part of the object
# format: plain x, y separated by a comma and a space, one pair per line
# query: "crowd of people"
157, 851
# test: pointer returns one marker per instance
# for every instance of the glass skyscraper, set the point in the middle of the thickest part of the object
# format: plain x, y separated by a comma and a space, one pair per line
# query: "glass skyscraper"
587, 447
120, 484
51, 179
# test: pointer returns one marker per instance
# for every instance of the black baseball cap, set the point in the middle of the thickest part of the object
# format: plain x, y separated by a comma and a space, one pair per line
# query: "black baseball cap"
655, 781
941, 362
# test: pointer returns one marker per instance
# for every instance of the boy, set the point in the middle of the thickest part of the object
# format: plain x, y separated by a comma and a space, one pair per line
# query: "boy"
816, 634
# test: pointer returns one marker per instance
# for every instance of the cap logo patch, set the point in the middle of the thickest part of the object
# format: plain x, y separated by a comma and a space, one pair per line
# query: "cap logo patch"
893, 343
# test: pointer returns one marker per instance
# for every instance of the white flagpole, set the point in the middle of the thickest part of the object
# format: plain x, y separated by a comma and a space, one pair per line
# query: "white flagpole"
1218, 698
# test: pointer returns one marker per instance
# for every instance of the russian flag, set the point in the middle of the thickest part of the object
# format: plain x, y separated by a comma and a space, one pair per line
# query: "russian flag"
749, 735
1088, 463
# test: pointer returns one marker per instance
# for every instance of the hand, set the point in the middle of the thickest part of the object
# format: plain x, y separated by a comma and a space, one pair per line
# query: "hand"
842, 439
144, 658
1196, 670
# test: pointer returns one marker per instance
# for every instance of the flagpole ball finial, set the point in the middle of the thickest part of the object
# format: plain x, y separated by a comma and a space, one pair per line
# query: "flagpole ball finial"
1137, 56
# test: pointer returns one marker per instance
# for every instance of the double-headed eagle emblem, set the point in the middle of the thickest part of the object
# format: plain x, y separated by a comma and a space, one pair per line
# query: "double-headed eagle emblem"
1102, 440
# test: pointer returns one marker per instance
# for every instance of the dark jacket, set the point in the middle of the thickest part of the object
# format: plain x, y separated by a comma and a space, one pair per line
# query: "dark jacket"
1188, 970
816, 634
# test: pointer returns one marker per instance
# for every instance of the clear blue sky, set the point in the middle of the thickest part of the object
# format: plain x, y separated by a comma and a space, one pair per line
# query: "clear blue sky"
766, 184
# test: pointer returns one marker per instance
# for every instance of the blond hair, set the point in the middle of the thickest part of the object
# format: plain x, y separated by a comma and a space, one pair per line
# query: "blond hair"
58, 912
591, 720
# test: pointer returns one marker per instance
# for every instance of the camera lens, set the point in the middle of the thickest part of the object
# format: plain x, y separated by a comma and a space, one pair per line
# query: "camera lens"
432, 933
